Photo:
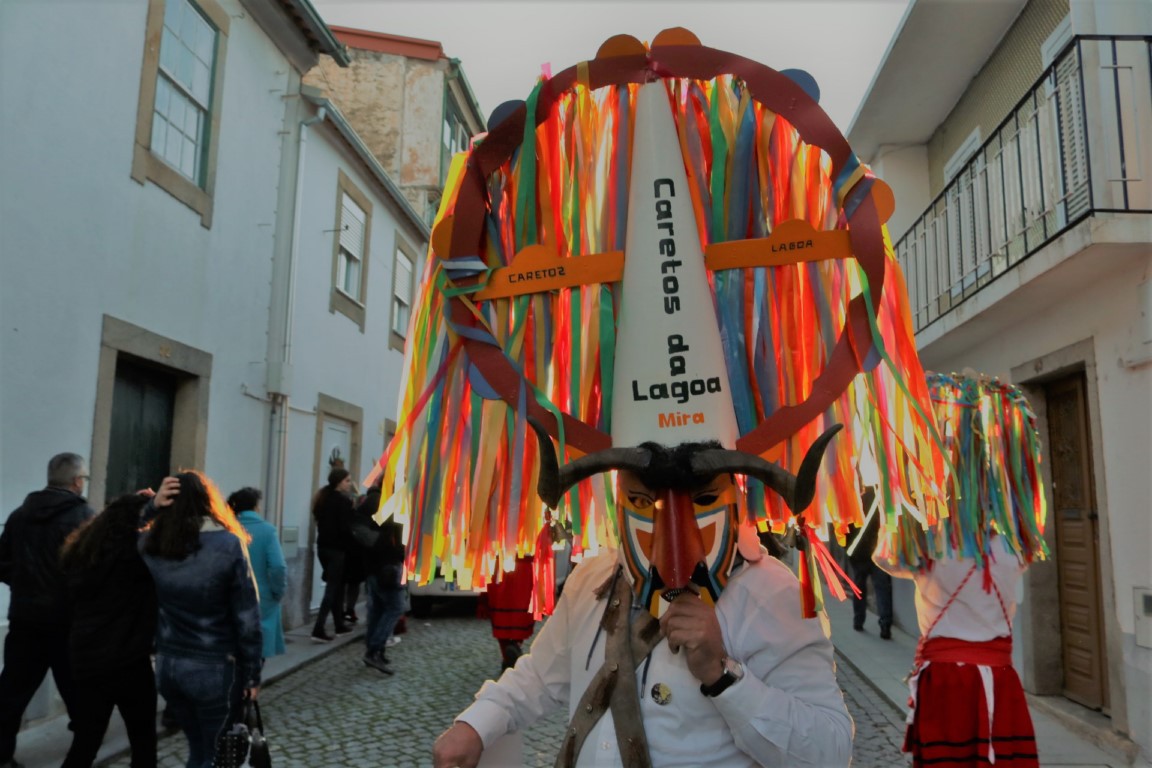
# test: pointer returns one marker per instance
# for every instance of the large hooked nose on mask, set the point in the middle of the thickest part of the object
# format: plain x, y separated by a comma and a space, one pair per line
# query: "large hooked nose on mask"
677, 544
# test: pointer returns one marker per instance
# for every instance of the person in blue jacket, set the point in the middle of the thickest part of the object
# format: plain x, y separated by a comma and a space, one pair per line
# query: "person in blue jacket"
268, 565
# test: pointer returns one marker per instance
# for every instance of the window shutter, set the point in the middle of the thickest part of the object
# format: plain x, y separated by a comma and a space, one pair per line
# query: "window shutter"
352, 228
402, 280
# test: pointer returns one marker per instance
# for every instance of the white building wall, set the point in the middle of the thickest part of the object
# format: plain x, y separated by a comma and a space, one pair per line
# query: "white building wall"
331, 355
80, 239
905, 170
93, 241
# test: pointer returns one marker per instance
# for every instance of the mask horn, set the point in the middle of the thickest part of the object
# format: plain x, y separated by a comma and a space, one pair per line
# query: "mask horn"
554, 480
723, 462
548, 483
806, 479
797, 491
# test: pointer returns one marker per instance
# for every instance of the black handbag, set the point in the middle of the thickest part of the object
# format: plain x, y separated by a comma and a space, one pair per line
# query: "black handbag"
243, 745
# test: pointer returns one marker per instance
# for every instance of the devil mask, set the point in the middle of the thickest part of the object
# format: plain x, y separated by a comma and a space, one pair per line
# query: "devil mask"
677, 527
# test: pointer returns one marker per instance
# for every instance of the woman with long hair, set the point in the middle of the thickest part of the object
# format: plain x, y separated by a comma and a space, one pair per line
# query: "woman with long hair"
113, 626
208, 641
332, 506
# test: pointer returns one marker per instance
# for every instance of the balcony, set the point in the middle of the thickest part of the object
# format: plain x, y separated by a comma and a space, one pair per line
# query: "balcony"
1077, 145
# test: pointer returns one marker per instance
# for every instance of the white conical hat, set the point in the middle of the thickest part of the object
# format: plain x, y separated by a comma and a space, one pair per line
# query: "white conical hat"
670, 384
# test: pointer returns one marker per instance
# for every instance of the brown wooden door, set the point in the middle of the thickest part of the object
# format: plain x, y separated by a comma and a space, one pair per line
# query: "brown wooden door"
1077, 543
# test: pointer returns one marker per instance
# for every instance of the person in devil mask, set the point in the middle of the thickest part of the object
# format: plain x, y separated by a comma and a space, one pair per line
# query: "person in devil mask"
715, 639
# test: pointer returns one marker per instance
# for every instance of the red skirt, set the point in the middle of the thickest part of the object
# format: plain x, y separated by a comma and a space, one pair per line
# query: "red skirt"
508, 603
950, 725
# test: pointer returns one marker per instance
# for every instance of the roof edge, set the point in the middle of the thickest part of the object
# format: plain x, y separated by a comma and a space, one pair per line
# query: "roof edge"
384, 42
327, 40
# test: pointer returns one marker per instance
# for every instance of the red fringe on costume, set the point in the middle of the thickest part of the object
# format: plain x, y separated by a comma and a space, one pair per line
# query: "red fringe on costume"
950, 725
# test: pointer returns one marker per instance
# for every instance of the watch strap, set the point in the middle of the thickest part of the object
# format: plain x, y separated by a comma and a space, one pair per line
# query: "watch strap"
724, 683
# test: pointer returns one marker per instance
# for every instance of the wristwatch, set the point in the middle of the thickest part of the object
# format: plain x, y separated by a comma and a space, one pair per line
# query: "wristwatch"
733, 672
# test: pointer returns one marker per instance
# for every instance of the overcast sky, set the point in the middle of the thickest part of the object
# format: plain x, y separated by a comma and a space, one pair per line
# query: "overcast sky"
502, 44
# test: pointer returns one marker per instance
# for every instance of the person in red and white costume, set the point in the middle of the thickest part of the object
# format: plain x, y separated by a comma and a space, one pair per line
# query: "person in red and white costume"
967, 704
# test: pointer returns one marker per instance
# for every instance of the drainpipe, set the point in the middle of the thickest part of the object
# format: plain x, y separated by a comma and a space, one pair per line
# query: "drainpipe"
280, 366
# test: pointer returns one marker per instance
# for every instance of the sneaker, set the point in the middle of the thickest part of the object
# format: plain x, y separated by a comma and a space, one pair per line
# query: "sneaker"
344, 630
858, 627
377, 662
321, 637
393, 640
350, 617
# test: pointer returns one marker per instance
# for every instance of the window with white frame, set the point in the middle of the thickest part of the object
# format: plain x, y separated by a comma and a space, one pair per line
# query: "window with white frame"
403, 289
350, 246
350, 266
178, 112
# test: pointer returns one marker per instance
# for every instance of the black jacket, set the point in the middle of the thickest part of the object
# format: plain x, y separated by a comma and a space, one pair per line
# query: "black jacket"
385, 558
861, 557
333, 516
30, 554
113, 611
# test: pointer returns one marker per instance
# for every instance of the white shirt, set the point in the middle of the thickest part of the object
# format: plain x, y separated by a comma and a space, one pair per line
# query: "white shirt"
788, 709
975, 615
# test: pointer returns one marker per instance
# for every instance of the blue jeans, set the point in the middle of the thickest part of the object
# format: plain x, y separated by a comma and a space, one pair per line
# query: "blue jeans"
385, 607
201, 695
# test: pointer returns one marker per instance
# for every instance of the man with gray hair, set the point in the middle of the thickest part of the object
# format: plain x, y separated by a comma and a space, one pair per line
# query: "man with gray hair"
37, 609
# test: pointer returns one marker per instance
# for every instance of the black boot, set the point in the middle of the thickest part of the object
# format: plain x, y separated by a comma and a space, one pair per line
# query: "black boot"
510, 651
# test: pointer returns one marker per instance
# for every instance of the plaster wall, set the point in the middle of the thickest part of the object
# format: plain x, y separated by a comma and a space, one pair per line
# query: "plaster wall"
95, 242
1096, 17
82, 240
905, 170
333, 357
396, 105
370, 93
423, 131
1007, 75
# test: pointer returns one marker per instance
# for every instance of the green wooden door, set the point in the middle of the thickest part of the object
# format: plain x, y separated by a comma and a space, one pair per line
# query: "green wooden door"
140, 446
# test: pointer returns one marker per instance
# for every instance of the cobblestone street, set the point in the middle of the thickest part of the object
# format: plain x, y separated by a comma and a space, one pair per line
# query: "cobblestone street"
337, 712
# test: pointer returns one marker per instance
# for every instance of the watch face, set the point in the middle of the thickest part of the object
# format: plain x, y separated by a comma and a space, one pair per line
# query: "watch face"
733, 668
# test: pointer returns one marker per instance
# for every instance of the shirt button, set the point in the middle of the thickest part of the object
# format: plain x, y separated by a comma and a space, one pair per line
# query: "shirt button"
606, 745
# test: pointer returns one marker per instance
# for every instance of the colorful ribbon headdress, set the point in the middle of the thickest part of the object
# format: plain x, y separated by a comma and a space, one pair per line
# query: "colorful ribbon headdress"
989, 431
521, 318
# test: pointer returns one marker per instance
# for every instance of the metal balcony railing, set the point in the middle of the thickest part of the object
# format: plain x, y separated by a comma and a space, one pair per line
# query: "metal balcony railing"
1079, 143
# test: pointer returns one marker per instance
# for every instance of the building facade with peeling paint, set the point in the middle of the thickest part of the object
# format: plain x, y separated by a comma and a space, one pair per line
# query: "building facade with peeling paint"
410, 103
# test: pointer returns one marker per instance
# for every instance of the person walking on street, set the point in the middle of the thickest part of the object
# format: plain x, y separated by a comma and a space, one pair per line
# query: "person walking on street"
861, 546
113, 629
508, 603
208, 643
384, 565
968, 707
332, 508
268, 566
355, 567
38, 606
